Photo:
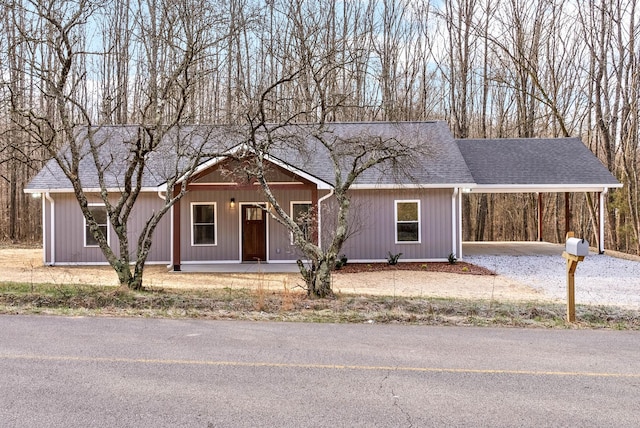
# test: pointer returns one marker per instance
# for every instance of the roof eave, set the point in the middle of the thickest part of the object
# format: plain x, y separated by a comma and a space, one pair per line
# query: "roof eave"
541, 188
380, 186
161, 188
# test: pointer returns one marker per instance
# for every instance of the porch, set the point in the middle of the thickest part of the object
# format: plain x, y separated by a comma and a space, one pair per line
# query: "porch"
468, 249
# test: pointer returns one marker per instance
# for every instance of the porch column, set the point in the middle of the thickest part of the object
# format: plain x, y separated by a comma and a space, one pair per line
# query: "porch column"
460, 224
176, 233
601, 221
315, 208
454, 222
567, 213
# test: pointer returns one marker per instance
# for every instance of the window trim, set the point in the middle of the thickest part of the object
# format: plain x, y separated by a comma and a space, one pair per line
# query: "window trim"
291, 204
396, 222
215, 224
84, 228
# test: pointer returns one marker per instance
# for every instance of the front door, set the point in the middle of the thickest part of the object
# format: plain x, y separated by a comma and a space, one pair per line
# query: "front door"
254, 234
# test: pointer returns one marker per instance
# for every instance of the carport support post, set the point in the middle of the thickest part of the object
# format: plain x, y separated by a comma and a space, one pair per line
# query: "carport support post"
540, 216
567, 213
601, 221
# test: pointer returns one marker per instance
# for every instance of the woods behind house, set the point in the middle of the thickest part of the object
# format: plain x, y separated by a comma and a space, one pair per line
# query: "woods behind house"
490, 68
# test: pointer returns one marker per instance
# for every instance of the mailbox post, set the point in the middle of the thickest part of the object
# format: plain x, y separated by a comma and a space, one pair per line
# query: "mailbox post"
575, 252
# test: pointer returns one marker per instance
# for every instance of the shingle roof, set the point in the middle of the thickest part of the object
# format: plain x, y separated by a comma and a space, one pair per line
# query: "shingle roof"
435, 157
532, 161
113, 152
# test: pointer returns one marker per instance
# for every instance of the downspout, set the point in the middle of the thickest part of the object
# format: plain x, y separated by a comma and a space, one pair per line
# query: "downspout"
322, 199
48, 197
460, 225
454, 222
601, 220
44, 230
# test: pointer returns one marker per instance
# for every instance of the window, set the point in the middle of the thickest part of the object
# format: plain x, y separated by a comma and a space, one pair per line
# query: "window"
407, 221
253, 213
301, 213
99, 213
203, 223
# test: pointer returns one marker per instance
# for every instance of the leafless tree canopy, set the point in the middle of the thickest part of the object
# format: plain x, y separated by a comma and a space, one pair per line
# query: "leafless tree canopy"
491, 68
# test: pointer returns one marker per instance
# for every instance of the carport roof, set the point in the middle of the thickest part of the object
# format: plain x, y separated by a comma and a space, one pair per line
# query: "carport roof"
534, 165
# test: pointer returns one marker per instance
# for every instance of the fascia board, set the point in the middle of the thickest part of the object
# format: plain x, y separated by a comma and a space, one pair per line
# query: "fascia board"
322, 185
411, 186
542, 188
213, 161
93, 190
201, 168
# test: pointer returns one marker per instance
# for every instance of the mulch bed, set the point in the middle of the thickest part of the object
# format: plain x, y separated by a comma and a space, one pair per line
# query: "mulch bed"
458, 267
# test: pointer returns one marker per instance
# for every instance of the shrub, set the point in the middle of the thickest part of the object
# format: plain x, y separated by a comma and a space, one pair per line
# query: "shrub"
393, 258
342, 261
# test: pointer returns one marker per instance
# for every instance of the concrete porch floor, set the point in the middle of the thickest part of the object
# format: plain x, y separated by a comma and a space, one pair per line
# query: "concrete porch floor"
468, 249
241, 268
515, 248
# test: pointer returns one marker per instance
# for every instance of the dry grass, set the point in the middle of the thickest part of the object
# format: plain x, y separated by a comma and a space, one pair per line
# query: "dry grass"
22, 265
287, 305
369, 294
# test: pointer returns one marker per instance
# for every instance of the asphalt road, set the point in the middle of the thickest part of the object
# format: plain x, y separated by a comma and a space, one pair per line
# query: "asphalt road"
105, 372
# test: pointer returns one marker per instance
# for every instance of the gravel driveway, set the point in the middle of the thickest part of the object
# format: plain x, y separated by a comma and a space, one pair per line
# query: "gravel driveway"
600, 279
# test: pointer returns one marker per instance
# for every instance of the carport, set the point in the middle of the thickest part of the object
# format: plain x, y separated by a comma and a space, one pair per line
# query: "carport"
538, 165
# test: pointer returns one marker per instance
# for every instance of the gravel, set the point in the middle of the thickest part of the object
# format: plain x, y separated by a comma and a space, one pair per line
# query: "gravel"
599, 279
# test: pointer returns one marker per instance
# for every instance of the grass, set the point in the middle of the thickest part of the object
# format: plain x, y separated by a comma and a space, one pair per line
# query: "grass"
288, 305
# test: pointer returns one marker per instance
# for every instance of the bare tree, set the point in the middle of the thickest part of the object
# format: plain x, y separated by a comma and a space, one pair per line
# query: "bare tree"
610, 30
175, 37
349, 156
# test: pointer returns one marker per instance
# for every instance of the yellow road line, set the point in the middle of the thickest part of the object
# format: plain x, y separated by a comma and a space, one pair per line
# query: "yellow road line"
313, 366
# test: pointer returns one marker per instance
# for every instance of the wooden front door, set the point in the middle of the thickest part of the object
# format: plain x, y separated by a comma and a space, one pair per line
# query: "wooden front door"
254, 234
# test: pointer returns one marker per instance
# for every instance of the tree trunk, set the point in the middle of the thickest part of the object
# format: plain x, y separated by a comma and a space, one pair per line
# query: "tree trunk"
481, 217
13, 202
318, 277
467, 232
124, 275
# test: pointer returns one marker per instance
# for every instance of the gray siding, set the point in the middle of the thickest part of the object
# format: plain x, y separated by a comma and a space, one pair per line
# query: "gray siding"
280, 247
69, 224
161, 246
69, 231
228, 226
372, 221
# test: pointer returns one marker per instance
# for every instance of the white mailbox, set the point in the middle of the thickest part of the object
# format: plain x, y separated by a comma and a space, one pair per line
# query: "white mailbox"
577, 247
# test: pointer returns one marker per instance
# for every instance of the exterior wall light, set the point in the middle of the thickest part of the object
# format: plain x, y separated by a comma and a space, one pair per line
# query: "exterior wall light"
232, 203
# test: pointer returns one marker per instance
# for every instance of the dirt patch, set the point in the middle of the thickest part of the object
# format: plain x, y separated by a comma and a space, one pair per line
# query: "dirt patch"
25, 265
